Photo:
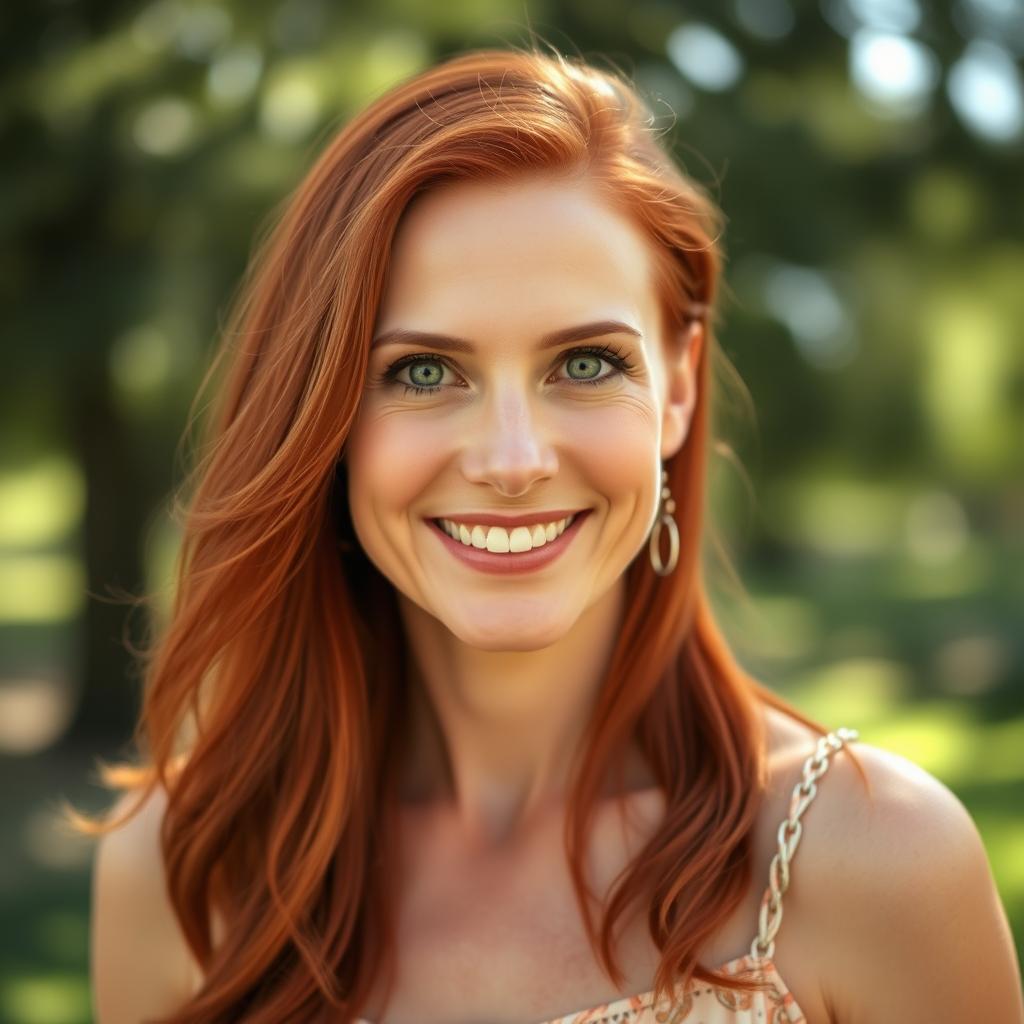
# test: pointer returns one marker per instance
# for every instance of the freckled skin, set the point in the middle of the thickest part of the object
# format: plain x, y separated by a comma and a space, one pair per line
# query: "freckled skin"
512, 663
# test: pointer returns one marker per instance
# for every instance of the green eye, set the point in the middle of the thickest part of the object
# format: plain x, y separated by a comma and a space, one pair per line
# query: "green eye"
578, 361
426, 381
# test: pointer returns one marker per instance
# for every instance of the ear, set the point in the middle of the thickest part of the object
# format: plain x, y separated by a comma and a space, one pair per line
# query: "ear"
681, 379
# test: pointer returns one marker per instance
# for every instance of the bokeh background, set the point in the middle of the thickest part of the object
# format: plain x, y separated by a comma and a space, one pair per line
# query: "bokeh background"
868, 157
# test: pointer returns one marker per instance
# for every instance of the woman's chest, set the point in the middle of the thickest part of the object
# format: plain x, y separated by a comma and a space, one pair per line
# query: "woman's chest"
486, 945
487, 954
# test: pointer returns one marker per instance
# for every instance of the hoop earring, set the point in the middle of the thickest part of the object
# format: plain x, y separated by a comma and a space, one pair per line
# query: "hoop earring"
668, 506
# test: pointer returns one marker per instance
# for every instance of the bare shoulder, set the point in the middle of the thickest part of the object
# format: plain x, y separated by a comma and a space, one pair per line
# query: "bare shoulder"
896, 885
139, 961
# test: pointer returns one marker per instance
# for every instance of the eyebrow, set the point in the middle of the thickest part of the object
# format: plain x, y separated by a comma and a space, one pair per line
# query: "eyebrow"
580, 332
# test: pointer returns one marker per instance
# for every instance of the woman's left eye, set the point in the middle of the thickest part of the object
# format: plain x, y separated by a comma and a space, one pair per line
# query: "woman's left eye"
581, 359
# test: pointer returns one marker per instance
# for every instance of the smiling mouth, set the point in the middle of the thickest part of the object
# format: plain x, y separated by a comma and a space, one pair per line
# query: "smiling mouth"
507, 540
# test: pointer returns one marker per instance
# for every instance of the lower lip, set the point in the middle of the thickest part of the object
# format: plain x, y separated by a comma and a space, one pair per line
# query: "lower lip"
512, 562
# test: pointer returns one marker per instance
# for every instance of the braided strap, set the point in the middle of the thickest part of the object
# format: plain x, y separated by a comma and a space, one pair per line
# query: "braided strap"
790, 830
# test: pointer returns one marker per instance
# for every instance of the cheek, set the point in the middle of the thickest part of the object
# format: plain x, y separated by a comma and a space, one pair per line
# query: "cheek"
391, 460
620, 460
619, 446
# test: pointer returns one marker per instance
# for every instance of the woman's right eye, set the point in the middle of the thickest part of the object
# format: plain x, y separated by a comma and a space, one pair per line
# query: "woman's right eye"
419, 383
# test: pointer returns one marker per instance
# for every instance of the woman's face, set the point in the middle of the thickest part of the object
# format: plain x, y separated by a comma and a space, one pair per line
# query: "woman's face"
512, 421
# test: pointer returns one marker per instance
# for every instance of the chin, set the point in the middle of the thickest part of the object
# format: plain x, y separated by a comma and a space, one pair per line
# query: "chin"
514, 634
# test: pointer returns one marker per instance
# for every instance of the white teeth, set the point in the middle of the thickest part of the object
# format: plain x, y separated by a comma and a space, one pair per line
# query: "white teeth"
520, 539
497, 540
501, 541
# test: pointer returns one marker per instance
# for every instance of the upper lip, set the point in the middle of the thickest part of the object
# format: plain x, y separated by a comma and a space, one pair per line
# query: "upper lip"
527, 519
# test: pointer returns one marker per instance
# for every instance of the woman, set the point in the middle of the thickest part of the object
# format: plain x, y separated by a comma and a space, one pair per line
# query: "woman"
441, 703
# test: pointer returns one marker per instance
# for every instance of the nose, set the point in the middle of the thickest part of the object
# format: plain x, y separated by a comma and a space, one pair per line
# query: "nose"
511, 452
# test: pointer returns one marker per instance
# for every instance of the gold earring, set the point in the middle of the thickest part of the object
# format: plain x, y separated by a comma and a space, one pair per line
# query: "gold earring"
668, 506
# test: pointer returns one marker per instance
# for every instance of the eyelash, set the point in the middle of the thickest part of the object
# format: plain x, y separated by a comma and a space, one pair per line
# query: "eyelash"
608, 352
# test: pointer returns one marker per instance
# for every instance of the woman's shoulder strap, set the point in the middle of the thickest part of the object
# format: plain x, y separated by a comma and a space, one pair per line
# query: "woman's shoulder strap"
790, 830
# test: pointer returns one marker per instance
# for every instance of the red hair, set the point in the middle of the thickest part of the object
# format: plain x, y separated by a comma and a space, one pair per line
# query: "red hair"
274, 696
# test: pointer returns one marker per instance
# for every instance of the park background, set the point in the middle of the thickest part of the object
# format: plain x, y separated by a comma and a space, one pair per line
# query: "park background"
870, 483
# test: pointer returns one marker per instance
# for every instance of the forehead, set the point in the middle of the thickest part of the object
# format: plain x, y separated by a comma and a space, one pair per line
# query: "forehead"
540, 248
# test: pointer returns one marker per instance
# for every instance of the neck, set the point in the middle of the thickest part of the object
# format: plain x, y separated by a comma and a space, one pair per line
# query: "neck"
494, 733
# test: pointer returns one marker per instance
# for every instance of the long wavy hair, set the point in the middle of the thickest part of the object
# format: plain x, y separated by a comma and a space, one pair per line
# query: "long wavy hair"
274, 693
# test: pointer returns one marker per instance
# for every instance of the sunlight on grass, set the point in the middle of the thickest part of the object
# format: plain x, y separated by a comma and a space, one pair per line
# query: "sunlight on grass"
937, 735
836, 515
52, 998
940, 735
870, 695
963, 386
40, 588
40, 503
1004, 841
999, 756
857, 692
